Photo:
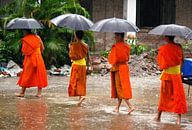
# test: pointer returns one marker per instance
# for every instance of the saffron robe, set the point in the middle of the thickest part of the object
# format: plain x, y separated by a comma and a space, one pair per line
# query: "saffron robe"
34, 72
172, 95
120, 75
78, 52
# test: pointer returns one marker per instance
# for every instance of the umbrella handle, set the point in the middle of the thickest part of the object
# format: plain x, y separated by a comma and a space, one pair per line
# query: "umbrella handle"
72, 36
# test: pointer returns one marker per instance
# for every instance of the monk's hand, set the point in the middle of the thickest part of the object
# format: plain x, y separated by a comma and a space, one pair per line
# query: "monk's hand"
69, 46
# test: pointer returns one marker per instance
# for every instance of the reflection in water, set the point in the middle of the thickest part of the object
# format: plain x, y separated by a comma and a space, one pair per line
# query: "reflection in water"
59, 112
32, 113
121, 122
77, 118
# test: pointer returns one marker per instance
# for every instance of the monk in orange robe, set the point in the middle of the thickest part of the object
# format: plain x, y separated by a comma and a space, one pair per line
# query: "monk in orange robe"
78, 52
34, 71
120, 75
172, 95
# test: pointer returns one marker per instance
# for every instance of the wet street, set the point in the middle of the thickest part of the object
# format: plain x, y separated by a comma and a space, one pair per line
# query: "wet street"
56, 111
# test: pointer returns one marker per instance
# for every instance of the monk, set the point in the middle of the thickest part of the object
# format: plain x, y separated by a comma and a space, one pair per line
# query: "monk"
120, 77
172, 95
78, 52
34, 71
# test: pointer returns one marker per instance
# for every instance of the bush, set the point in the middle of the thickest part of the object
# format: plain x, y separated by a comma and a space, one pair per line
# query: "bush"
138, 49
105, 53
187, 47
5, 53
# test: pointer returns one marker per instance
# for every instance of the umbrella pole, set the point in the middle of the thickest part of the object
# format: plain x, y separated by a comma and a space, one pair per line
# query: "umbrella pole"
188, 90
72, 36
105, 41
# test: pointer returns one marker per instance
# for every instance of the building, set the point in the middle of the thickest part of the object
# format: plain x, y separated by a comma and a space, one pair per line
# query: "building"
146, 14
101, 9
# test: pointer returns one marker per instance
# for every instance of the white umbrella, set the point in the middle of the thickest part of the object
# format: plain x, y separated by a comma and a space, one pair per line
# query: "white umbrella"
73, 21
24, 23
189, 36
171, 30
114, 25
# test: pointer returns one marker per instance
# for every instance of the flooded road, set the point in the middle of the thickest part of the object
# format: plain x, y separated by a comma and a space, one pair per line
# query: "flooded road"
56, 111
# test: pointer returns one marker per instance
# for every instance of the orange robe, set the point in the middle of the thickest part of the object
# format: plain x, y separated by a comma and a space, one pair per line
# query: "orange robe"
77, 85
172, 95
34, 71
120, 75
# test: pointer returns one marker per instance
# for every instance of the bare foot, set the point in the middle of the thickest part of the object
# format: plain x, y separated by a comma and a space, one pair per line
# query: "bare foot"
116, 110
80, 101
19, 94
131, 110
38, 95
157, 119
178, 122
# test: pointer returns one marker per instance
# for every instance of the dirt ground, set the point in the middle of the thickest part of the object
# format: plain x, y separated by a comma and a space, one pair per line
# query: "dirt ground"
56, 111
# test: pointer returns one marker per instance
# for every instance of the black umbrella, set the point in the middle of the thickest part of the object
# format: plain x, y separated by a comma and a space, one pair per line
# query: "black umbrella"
24, 23
114, 25
73, 21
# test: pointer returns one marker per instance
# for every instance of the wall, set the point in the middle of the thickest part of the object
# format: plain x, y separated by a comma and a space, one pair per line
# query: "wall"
184, 12
179, 13
105, 9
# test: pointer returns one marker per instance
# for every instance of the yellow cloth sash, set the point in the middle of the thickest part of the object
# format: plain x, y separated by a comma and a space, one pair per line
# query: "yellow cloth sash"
172, 70
79, 62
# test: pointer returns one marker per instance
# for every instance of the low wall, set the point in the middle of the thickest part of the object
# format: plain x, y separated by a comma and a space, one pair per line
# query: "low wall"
104, 41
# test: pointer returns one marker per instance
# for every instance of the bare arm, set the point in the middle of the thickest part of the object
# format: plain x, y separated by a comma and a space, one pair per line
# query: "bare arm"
42, 48
88, 58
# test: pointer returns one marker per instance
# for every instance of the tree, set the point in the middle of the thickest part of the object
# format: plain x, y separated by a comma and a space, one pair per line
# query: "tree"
55, 39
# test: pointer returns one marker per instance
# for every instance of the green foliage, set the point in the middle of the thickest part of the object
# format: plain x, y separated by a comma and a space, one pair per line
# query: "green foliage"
105, 53
187, 47
10, 46
138, 49
153, 54
5, 53
55, 39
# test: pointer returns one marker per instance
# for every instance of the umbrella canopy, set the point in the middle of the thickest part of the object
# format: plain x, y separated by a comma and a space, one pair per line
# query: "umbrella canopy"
24, 23
170, 30
189, 36
73, 21
114, 25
